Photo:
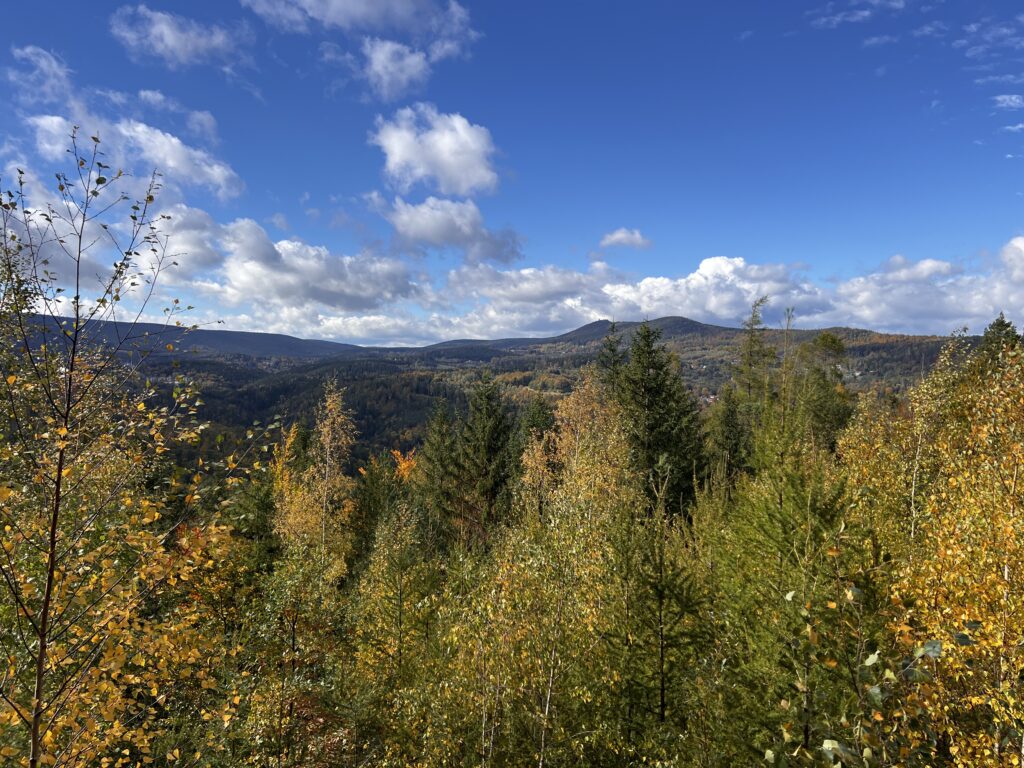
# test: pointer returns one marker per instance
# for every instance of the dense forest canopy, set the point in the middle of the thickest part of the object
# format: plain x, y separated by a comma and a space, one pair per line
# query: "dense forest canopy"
787, 573
392, 392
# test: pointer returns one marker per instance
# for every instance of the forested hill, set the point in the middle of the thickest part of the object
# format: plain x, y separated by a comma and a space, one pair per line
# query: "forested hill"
879, 356
245, 376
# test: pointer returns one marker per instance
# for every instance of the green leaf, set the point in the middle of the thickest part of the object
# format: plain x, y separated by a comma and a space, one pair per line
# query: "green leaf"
915, 675
931, 649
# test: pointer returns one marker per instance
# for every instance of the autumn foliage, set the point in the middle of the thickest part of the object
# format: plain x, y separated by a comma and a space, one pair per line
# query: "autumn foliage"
789, 574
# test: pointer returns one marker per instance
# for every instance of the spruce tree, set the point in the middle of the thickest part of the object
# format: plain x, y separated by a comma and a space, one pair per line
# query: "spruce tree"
662, 419
611, 359
727, 438
487, 458
655, 632
999, 335
669, 618
537, 418
818, 394
379, 492
438, 475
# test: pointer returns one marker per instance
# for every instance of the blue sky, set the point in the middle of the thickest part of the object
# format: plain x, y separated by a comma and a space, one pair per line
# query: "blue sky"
404, 171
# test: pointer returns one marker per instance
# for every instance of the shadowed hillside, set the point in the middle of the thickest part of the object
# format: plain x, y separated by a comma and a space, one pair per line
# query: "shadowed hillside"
248, 377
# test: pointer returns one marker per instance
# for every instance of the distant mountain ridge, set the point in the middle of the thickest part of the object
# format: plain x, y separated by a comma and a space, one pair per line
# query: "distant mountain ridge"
215, 342
154, 337
247, 376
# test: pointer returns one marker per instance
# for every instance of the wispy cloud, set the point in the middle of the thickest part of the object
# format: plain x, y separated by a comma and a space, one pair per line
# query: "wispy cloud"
879, 40
391, 68
623, 237
990, 39
200, 122
53, 103
931, 29
303, 15
835, 14
177, 41
1008, 101
829, 20
1000, 80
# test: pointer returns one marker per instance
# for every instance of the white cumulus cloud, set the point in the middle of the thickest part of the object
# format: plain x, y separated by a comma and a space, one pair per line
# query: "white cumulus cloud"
239, 265
291, 273
290, 286
393, 68
446, 151
452, 224
172, 156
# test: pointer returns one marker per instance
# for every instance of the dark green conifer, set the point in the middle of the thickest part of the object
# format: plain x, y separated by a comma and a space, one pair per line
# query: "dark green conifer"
611, 359
487, 458
727, 437
661, 418
820, 396
537, 418
438, 475
999, 335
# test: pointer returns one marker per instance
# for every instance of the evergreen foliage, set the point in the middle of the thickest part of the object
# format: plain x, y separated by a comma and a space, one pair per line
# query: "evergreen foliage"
661, 419
438, 474
487, 460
